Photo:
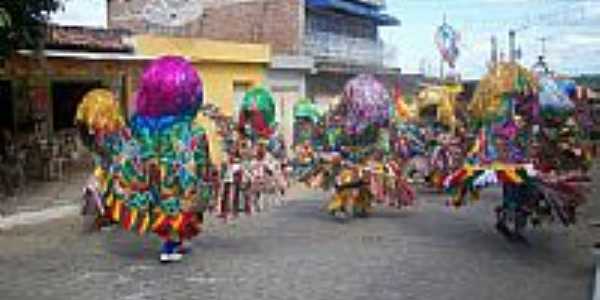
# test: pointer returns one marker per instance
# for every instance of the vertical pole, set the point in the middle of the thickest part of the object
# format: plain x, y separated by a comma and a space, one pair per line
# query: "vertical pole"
441, 68
512, 45
494, 54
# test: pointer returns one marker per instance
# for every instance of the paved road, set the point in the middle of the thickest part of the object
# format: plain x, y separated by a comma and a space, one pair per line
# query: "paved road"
298, 252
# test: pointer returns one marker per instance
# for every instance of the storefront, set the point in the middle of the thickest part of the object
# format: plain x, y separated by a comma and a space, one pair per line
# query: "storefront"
48, 100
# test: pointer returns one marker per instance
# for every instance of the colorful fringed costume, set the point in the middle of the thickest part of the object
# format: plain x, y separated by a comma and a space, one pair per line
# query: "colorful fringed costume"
152, 174
506, 152
306, 120
251, 170
352, 156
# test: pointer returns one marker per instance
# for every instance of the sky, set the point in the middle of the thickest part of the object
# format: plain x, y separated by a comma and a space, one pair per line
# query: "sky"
571, 27
82, 13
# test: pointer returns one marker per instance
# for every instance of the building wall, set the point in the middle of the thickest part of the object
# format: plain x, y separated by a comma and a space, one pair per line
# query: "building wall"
287, 86
219, 80
279, 23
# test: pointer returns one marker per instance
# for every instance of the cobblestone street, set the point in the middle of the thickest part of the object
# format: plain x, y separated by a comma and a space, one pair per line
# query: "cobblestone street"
298, 252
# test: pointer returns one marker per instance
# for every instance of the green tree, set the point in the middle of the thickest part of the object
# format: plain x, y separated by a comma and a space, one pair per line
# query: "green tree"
23, 23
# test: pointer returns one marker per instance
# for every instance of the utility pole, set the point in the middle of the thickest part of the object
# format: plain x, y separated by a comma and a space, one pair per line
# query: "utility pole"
494, 53
441, 68
512, 36
543, 40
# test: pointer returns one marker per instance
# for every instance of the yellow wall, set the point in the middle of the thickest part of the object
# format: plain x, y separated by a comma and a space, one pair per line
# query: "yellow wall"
218, 79
220, 64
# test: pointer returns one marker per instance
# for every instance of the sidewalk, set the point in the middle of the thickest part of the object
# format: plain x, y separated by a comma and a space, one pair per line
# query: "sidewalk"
43, 200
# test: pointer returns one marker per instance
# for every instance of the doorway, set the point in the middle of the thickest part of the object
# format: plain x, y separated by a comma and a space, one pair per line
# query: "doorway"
6, 105
286, 97
66, 96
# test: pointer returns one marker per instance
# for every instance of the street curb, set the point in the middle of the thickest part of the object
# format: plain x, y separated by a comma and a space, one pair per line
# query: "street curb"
38, 217
596, 256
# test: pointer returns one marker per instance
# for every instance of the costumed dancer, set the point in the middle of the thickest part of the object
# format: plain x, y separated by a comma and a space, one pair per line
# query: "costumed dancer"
231, 181
364, 112
257, 124
306, 120
352, 195
400, 192
152, 175
509, 109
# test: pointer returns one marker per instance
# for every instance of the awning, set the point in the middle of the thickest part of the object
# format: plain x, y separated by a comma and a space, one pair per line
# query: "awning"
358, 9
82, 55
199, 50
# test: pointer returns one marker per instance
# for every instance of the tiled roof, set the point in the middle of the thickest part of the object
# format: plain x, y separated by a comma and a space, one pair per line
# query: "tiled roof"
88, 39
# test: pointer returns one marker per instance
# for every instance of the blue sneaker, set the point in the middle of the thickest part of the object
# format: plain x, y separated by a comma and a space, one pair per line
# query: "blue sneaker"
168, 253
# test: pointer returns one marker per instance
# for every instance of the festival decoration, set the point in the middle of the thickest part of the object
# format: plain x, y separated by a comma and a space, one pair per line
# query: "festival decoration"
515, 115
443, 98
304, 108
253, 177
402, 110
306, 121
153, 173
99, 113
257, 117
447, 39
365, 103
496, 92
554, 97
168, 87
356, 158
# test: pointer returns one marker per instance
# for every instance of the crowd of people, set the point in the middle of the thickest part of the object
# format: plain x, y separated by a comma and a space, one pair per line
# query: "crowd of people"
522, 133
154, 172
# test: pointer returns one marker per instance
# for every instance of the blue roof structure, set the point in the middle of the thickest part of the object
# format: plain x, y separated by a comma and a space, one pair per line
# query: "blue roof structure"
358, 8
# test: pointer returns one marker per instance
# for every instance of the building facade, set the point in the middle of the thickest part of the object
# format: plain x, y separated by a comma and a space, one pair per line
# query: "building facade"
44, 90
317, 45
45, 93
286, 78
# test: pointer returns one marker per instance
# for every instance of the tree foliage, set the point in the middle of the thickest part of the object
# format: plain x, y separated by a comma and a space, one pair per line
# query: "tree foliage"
23, 23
